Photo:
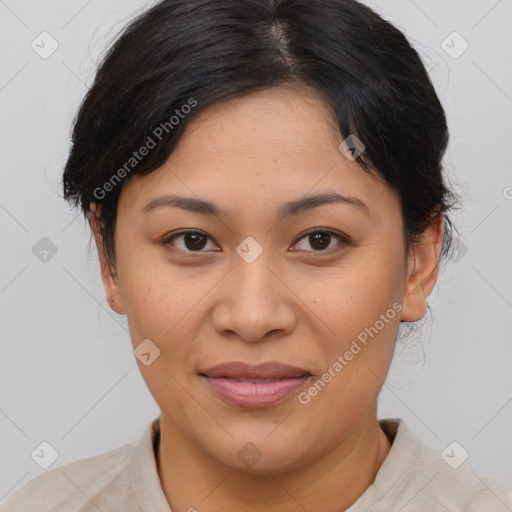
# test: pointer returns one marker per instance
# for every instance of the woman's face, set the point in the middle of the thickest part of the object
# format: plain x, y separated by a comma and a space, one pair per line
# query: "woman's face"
254, 288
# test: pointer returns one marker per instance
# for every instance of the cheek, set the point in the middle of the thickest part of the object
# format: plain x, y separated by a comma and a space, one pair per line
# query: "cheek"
158, 298
347, 301
360, 314
165, 310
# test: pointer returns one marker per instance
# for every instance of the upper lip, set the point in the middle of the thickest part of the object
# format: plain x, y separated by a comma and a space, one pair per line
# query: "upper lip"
241, 370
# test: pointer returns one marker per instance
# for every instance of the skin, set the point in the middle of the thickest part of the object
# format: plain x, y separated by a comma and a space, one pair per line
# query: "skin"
301, 307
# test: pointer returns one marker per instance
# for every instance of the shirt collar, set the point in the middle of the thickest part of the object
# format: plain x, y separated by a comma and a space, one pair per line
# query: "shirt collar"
146, 483
144, 476
401, 457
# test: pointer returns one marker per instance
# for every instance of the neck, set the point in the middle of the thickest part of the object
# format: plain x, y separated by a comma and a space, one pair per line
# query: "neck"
192, 481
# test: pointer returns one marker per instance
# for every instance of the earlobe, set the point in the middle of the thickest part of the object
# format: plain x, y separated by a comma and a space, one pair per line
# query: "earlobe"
424, 260
415, 301
108, 275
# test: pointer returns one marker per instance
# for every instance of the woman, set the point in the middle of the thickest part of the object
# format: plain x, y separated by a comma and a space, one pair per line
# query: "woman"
263, 179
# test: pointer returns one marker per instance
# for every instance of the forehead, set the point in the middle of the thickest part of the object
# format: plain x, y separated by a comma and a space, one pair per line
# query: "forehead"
269, 145
271, 122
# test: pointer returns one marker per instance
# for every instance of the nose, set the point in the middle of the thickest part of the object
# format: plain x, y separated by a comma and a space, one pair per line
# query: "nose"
255, 302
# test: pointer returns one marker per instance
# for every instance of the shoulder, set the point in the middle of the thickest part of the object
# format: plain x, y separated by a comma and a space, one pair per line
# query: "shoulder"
442, 477
73, 486
457, 484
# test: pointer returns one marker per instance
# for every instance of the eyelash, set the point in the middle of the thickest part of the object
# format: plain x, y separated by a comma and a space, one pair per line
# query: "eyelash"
343, 239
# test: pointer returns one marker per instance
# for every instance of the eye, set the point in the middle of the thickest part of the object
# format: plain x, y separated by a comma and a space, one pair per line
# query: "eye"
320, 240
195, 241
189, 241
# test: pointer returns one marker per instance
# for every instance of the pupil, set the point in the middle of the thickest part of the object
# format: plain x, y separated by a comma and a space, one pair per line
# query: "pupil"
320, 237
196, 239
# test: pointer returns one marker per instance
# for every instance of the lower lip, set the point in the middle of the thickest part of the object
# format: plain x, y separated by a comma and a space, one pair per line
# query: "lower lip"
255, 395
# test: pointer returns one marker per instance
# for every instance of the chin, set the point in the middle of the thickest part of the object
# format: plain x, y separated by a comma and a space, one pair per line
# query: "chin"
256, 455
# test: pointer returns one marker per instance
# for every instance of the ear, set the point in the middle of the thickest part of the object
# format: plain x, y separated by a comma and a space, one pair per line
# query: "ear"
422, 271
108, 274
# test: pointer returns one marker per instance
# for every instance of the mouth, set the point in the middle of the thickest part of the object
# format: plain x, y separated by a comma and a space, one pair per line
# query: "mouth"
254, 386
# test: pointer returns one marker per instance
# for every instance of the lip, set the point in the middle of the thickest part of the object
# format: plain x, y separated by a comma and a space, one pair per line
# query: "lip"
254, 386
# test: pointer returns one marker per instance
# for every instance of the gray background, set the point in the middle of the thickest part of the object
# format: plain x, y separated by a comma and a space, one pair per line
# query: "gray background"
68, 375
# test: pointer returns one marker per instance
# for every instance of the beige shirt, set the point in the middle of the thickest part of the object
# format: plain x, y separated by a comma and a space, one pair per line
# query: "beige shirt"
413, 477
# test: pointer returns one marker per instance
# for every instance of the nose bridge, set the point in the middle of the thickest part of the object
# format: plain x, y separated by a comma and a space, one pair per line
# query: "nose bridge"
255, 301
254, 283
252, 260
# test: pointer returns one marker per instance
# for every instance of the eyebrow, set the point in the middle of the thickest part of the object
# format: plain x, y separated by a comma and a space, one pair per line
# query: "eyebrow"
286, 210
